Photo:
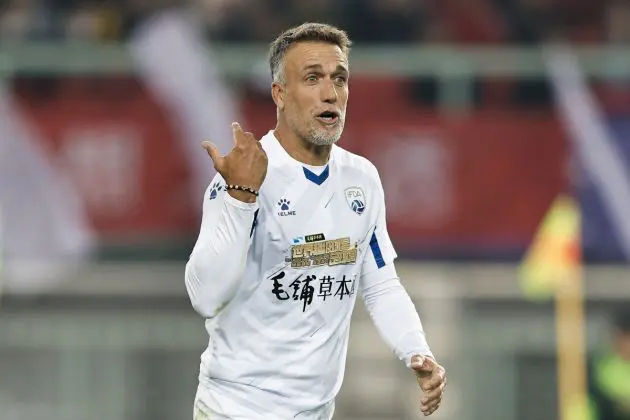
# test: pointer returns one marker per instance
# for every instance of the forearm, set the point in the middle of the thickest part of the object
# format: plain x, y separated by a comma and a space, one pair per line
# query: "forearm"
215, 268
394, 315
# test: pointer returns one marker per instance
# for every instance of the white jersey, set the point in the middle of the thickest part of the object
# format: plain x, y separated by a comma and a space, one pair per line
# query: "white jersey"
279, 331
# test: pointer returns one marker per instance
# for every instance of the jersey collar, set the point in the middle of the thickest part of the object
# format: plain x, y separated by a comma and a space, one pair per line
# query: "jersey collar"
280, 154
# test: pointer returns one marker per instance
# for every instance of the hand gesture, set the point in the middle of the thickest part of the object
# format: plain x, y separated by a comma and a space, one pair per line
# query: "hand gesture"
432, 380
245, 165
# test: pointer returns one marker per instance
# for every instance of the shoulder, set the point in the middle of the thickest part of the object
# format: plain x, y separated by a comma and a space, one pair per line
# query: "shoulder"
267, 140
356, 165
276, 156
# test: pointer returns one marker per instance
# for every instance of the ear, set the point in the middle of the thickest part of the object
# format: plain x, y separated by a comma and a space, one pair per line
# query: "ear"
277, 93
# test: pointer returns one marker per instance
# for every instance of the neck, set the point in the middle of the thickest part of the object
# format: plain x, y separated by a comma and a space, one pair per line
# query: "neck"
301, 150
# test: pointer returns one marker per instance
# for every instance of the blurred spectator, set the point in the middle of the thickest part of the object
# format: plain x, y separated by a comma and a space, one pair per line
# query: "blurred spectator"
471, 21
382, 21
386, 21
609, 379
83, 22
581, 20
244, 21
617, 22
529, 21
24, 19
526, 22
314, 11
615, 89
212, 12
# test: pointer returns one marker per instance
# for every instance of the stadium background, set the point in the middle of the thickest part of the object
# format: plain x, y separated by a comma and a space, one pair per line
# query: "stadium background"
452, 102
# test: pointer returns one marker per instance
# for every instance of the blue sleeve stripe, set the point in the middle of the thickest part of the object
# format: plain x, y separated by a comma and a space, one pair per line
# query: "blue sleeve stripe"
376, 251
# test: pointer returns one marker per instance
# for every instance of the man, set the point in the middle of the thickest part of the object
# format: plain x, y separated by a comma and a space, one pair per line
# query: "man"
293, 227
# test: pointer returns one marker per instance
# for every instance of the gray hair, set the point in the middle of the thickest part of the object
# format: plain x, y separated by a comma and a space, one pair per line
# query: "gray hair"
304, 33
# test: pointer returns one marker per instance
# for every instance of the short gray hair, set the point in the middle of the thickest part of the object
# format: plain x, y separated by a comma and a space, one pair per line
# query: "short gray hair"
306, 32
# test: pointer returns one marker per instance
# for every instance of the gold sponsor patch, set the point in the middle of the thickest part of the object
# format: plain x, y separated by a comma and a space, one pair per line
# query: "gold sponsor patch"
330, 252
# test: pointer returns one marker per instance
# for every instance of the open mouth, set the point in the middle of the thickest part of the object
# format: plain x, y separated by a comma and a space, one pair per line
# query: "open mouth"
328, 117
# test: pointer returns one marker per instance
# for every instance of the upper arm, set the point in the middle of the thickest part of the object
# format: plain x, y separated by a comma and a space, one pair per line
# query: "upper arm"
381, 252
211, 208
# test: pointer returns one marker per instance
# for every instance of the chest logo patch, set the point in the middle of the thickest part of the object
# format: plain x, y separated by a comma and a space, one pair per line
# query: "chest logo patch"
355, 199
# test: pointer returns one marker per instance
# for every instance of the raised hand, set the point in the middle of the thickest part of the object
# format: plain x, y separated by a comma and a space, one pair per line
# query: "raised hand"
245, 165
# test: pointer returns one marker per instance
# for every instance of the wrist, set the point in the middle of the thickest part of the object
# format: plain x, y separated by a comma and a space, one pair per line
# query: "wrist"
244, 196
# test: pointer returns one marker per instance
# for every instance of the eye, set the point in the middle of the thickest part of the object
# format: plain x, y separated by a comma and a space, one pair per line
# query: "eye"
311, 78
341, 80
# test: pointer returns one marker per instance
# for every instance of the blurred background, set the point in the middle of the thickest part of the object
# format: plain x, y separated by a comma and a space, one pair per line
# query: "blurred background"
477, 113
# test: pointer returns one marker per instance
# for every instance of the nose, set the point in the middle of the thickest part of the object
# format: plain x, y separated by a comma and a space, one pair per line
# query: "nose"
329, 92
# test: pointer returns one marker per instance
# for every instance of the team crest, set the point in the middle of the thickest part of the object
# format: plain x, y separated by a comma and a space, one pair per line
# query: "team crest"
355, 199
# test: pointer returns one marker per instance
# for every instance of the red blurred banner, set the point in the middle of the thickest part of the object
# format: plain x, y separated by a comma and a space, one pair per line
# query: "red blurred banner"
479, 180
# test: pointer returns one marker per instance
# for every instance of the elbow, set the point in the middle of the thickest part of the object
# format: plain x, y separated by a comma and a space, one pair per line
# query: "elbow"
198, 293
383, 290
208, 298
201, 309
195, 291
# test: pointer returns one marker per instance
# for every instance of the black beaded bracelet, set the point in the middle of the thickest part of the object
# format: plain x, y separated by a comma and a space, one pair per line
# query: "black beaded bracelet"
241, 188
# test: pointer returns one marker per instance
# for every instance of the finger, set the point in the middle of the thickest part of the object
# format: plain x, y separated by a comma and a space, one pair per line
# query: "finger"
433, 381
428, 409
432, 402
214, 154
433, 395
437, 379
433, 406
437, 403
240, 136
431, 384
237, 132
251, 140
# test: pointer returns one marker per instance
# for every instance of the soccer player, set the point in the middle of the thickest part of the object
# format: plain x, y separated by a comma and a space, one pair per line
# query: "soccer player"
293, 229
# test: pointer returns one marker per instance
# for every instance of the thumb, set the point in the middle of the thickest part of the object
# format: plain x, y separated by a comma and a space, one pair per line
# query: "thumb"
214, 154
417, 362
422, 365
